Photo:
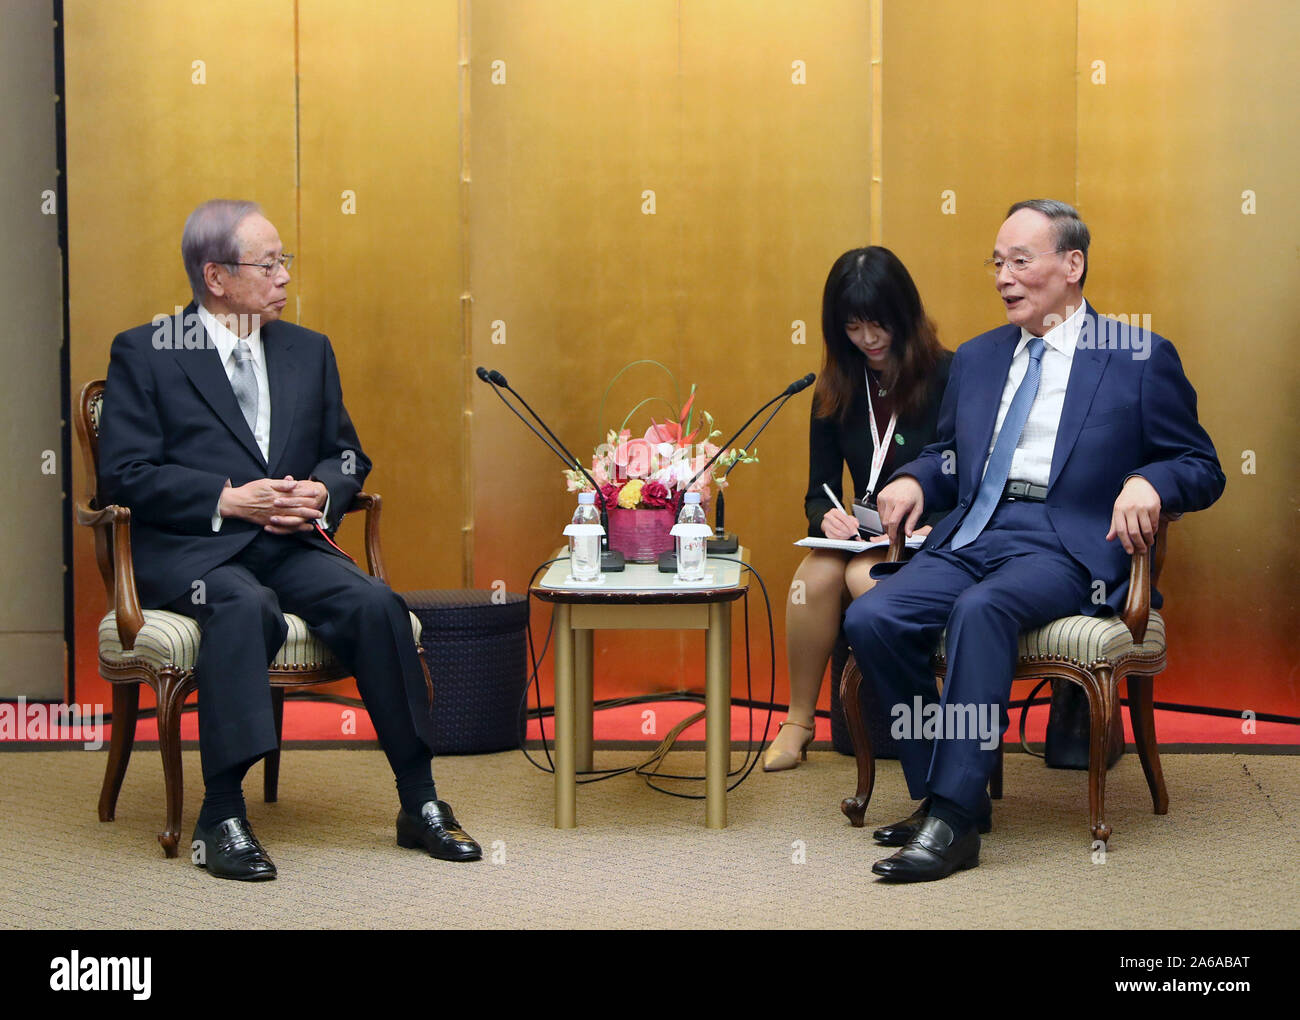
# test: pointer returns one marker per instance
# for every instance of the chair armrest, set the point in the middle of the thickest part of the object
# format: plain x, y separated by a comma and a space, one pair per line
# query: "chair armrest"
124, 597
373, 505
1141, 579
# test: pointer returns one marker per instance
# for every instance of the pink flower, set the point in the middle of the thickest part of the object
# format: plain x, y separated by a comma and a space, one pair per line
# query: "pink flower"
598, 471
634, 457
655, 495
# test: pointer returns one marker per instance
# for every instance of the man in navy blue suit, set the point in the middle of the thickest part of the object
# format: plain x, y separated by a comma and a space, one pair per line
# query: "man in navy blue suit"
224, 432
1062, 438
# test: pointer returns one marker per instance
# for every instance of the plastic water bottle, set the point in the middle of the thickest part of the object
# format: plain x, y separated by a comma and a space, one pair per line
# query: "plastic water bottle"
584, 550
691, 551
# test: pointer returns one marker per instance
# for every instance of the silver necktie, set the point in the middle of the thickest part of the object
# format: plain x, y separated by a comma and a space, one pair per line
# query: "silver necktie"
244, 382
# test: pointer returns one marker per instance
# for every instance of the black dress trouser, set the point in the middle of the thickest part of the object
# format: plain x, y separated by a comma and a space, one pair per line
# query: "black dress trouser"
239, 607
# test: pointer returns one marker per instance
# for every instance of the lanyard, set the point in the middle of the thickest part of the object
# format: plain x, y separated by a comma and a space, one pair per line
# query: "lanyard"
879, 448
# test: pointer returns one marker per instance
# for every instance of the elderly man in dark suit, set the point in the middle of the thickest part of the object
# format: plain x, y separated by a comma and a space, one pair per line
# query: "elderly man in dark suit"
1061, 439
224, 432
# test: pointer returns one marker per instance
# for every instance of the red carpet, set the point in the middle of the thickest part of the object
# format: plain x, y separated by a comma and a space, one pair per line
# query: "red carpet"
322, 721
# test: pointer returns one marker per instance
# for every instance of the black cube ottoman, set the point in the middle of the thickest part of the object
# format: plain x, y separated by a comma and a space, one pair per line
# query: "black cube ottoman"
475, 644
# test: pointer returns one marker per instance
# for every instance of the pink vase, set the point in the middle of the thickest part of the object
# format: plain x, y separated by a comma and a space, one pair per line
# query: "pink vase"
641, 535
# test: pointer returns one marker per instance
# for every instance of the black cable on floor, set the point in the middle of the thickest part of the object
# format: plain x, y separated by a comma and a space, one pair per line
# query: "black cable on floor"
752, 754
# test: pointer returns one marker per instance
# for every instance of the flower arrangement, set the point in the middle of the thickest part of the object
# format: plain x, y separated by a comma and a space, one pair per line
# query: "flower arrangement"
653, 471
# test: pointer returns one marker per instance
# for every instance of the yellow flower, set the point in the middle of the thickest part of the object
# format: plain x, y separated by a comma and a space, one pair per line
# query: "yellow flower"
630, 495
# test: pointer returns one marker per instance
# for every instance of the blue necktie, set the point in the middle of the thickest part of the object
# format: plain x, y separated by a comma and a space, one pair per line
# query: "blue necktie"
999, 466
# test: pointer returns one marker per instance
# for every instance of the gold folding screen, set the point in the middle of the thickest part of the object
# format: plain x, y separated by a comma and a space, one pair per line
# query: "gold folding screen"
554, 188
657, 180
166, 107
1187, 155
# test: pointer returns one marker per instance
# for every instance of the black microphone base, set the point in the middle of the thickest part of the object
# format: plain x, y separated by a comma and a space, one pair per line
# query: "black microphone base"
612, 561
725, 543
668, 562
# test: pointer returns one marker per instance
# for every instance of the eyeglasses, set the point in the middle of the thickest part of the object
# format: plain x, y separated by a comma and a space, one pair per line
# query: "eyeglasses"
1017, 264
268, 268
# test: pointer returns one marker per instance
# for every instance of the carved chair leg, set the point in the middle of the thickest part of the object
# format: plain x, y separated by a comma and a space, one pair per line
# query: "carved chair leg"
424, 668
172, 689
1115, 733
855, 807
1101, 693
126, 706
1141, 713
271, 763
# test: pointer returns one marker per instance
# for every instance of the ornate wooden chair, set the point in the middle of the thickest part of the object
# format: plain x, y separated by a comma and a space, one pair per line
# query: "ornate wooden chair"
159, 648
1094, 652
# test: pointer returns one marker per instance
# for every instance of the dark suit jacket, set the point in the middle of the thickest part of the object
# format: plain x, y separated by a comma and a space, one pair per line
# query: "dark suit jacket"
1124, 414
832, 444
172, 433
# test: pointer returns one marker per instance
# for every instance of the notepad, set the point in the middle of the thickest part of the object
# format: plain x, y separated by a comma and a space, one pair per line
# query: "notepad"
853, 545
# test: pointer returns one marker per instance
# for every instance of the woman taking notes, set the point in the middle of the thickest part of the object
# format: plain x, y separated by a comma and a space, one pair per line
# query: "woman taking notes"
874, 408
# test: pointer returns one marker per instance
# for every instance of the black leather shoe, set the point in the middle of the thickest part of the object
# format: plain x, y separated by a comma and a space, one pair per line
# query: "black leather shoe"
437, 831
230, 850
900, 833
934, 852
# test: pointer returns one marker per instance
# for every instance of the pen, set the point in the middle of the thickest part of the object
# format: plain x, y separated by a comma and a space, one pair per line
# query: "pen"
838, 505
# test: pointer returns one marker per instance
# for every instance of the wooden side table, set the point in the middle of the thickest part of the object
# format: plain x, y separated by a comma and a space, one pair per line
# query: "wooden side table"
640, 598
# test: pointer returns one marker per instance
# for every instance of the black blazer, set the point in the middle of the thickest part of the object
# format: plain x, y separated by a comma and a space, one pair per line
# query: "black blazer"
831, 444
172, 433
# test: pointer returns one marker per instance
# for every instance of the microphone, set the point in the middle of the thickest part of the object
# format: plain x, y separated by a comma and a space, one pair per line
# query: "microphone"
486, 376
784, 395
611, 561
797, 386
722, 541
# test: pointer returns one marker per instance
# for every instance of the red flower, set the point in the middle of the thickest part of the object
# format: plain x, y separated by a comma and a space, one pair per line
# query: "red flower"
670, 432
655, 495
610, 494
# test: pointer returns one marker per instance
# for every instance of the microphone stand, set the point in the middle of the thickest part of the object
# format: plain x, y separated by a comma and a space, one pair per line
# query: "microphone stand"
722, 541
611, 561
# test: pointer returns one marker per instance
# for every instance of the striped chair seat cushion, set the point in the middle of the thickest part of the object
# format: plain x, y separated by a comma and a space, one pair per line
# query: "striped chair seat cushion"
169, 638
1086, 640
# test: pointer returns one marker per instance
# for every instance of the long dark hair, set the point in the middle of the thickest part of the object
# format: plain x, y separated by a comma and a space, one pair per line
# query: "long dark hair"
872, 285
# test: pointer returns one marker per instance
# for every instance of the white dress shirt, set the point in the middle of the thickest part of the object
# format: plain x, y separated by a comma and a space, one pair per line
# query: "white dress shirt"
226, 342
1032, 461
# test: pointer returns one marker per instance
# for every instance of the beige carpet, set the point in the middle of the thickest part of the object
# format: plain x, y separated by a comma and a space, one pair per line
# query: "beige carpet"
1226, 856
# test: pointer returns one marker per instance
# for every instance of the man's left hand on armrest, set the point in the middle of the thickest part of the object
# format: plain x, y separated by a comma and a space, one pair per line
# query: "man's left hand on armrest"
1136, 515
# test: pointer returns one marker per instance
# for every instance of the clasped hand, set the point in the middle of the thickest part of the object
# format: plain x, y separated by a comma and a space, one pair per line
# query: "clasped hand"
280, 505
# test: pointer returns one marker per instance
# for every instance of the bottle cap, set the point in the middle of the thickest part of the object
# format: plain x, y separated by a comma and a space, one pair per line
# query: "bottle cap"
691, 497
586, 497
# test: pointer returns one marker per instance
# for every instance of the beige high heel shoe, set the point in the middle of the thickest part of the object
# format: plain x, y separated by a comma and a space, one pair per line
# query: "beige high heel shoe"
781, 761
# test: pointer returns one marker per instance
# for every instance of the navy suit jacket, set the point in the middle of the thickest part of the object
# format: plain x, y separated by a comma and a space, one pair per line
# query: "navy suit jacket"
1129, 409
172, 432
